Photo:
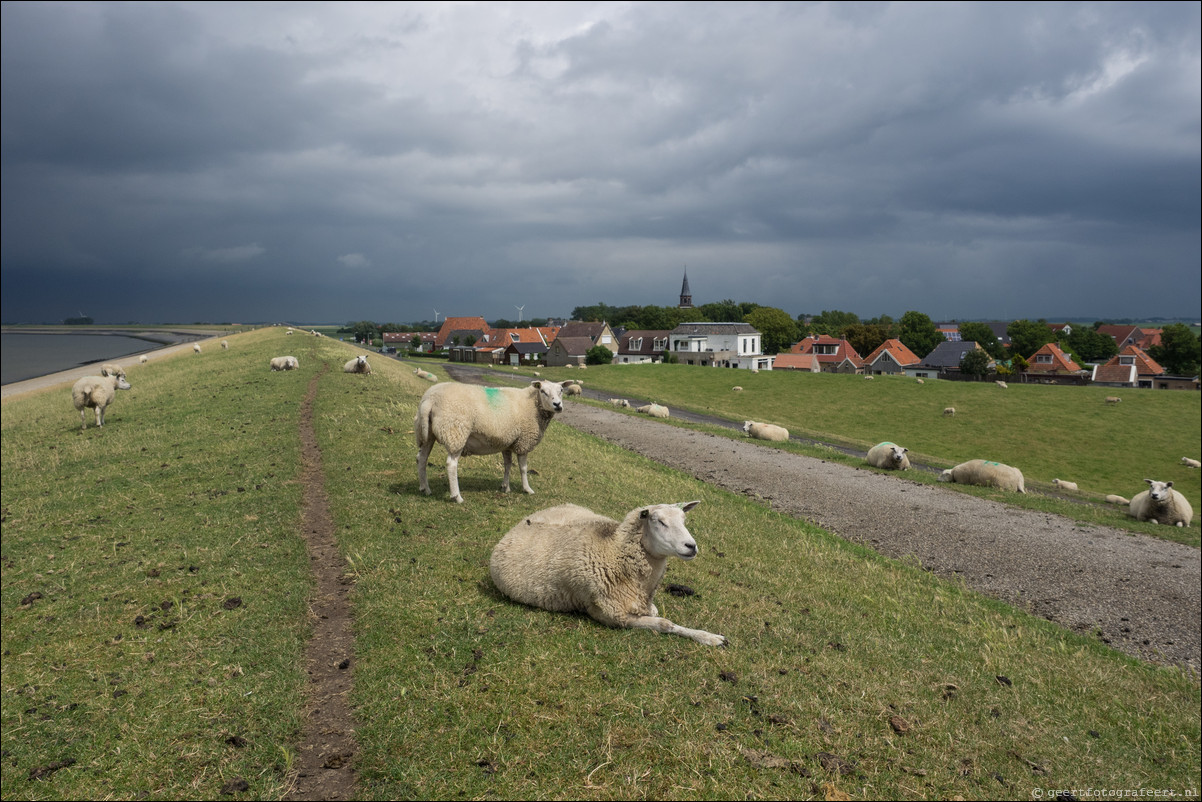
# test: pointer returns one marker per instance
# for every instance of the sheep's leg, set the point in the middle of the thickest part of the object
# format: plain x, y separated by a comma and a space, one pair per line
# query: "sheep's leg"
507, 459
453, 477
423, 458
653, 622
525, 480
99, 416
83, 418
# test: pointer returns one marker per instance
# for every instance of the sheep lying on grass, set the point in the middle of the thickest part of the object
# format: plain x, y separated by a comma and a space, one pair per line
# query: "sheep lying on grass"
1161, 504
357, 365
1113, 499
920, 381
949, 412
1001, 384
96, 392
620, 402
1113, 399
737, 389
574, 388
284, 363
470, 420
654, 410
425, 374
569, 559
1192, 463
765, 431
890, 456
143, 359
1065, 485
986, 474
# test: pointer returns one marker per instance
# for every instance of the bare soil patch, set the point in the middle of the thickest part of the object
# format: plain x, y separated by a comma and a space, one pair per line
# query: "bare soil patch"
326, 752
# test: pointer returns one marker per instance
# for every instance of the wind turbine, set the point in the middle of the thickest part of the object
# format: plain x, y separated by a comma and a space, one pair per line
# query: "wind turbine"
435, 315
519, 308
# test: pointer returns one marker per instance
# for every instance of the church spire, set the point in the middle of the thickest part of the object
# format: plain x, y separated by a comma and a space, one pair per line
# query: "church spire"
686, 297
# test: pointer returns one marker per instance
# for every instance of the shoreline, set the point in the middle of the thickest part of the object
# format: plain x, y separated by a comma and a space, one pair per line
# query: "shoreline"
170, 341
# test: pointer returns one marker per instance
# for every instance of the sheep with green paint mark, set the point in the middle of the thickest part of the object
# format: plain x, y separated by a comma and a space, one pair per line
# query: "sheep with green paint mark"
984, 473
469, 420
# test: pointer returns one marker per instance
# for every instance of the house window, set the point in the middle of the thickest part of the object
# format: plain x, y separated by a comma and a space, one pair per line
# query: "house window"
825, 350
1126, 360
1043, 359
636, 344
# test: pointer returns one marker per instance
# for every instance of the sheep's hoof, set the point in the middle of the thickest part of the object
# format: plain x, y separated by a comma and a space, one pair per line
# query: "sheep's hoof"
457, 499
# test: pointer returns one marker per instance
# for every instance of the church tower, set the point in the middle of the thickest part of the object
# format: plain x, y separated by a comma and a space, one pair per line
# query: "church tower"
686, 297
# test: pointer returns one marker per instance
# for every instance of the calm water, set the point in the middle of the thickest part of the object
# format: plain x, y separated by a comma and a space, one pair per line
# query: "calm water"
26, 356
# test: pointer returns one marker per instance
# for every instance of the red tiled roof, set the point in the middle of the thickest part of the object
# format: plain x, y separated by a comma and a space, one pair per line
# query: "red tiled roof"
843, 350
1144, 364
452, 324
790, 361
897, 349
1060, 361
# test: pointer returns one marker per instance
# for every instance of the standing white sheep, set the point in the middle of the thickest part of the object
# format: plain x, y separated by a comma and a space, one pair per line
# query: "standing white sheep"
949, 412
569, 559
765, 431
225, 345
284, 363
96, 392
470, 420
1161, 504
196, 347
889, 456
920, 381
986, 474
1001, 384
143, 359
357, 365
1113, 399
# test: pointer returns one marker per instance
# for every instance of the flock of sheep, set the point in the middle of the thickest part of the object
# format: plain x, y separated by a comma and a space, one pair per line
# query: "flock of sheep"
568, 558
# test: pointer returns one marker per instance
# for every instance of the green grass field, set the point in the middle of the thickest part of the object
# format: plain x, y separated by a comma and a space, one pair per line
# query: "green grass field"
154, 608
1049, 432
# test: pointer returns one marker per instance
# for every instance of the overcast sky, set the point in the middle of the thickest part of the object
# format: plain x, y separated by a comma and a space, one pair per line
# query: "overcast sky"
315, 162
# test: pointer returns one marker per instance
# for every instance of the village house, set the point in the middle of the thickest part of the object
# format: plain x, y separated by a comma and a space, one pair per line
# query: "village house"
725, 345
834, 355
890, 357
642, 346
1131, 367
945, 359
1050, 361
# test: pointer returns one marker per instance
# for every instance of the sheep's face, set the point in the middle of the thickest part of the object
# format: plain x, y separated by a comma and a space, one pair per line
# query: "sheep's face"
664, 532
746, 427
550, 395
898, 455
121, 383
1159, 491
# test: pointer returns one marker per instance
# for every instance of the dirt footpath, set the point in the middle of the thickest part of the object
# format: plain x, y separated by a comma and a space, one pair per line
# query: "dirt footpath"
1141, 595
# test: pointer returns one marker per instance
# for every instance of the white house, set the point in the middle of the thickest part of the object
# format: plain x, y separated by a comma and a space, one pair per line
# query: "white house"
726, 345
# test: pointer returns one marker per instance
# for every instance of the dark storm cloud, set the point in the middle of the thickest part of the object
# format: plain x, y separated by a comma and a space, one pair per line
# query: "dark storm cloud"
330, 162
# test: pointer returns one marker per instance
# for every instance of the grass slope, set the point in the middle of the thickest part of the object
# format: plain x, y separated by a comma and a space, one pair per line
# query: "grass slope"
847, 674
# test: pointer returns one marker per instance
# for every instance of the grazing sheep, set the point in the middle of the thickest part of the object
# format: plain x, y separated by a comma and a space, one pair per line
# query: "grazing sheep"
1192, 463
425, 374
869, 377
620, 402
765, 431
737, 389
1001, 384
470, 420
890, 456
143, 359
196, 347
284, 363
920, 381
1112, 399
569, 559
1064, 485
225, 345
949, 412
1113, 499
110, 369
289, 331
357, 365
986, 474
96, 392
654, 410
1161, 504
573, 388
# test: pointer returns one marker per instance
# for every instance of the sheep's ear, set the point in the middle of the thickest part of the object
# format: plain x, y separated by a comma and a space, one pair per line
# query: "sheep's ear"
1149, 481
643, 513
536, 383
1168, 484
687, 506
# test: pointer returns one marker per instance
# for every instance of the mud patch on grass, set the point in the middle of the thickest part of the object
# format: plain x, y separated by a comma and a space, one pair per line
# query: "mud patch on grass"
325, 755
